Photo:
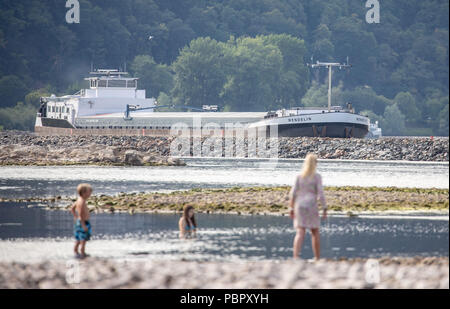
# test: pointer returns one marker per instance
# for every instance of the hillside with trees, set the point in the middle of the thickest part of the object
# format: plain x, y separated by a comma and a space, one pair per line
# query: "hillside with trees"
243, 55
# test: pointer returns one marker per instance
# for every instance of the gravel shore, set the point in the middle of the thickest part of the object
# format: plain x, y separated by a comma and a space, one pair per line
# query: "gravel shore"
154, 148
418, 273
264, 200
87, 154
260, 200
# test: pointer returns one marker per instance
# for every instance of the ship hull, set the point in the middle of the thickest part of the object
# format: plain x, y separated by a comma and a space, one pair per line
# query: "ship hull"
325, 124
333, 130
334, 125
56, 123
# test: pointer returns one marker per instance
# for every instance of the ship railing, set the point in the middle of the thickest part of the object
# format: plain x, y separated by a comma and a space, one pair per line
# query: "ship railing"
317, 108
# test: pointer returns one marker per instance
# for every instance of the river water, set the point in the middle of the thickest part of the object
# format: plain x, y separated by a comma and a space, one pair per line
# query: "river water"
23, 182
34, 234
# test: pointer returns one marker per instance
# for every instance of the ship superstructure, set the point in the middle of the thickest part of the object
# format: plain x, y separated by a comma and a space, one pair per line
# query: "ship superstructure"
109, 92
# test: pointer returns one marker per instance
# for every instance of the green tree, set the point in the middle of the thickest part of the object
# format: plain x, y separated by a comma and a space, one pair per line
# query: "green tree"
443, 121
153, 77
180, 34
317, 96
372, 116
434, 104
322, 47
34, 98
255, 70
364, 97
12, 90
350, 39
393, 123
294, 77
164, 100
20, 117
407, 105
200, 73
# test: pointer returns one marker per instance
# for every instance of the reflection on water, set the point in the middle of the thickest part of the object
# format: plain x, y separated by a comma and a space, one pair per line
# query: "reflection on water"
22, 182
28, 234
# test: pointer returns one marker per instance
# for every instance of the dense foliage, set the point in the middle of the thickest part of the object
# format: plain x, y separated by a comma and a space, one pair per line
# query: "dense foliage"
239, 54
241, 74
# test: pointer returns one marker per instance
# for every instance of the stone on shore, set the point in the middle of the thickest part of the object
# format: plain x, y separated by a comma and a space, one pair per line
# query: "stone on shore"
14, 154
132, 157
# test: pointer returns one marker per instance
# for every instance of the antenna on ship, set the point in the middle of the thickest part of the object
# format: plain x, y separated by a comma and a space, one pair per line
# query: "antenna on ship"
329, 66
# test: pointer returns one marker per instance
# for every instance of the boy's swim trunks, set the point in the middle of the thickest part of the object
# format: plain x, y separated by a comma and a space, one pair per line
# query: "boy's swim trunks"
80, 234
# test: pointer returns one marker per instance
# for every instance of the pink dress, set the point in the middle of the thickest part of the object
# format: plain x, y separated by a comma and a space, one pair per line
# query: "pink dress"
306, 192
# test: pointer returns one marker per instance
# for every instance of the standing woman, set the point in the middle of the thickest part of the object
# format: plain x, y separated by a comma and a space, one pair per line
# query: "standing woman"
187, 223
303, 205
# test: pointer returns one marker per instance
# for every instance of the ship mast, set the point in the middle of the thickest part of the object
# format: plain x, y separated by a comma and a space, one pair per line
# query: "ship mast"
330, 66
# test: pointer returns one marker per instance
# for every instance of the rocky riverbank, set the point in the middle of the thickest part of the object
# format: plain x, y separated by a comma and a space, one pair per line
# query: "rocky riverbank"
408, 149
419, 273
88, 154
262, 200
386, 148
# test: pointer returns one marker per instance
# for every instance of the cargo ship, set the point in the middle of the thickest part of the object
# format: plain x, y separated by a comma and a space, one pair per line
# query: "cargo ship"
113, 105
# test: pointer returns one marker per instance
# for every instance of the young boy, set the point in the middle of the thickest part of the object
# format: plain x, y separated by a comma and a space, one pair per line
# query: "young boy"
80, 213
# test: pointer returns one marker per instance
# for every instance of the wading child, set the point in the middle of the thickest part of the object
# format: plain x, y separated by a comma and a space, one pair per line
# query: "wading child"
187, 223
80, 212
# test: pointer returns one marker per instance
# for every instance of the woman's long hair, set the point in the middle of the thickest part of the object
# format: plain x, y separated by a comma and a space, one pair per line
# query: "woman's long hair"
186, 218
309, 166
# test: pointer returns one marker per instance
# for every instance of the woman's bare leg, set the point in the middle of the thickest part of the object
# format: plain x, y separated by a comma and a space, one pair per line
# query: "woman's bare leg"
298, 241
315, 239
